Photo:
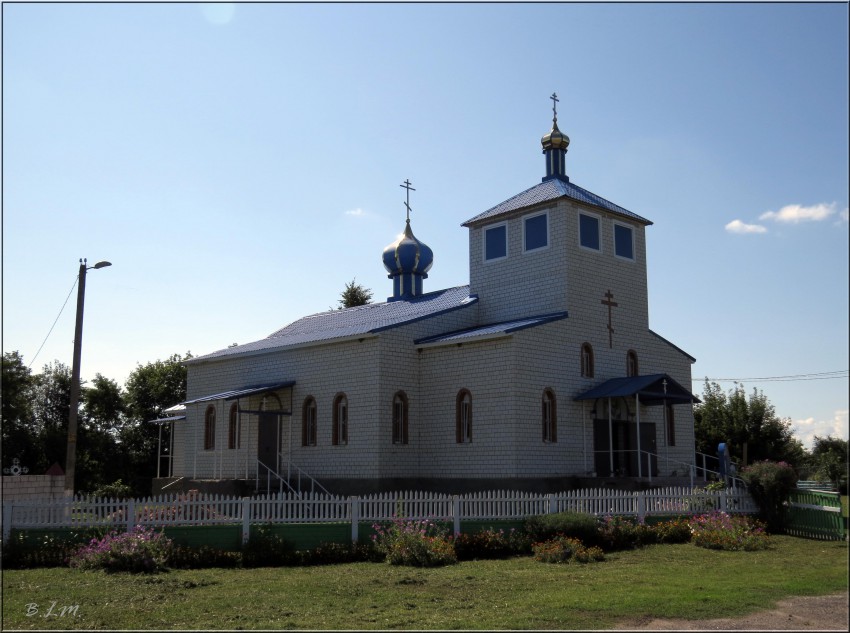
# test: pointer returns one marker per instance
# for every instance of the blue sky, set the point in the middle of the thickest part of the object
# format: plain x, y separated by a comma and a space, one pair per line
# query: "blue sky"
238, 164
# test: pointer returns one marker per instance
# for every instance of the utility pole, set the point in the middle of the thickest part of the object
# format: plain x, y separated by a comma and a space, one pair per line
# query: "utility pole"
71, 455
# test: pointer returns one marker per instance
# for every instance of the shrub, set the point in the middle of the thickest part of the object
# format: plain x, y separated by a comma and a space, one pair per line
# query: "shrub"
24, 551
563, 549
584, 527
139, 550
672, 531
267, 549
415, 543
619, 533
718, 530
491, 544
116, 490
185, 557
770, 484
337, 553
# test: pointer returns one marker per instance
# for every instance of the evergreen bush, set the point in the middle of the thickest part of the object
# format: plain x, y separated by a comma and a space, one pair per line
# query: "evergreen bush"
770, 484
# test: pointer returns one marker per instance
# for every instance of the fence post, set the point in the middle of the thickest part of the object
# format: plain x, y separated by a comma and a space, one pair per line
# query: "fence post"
7, 521
246, 520
456, 513
641, 507
553, 504
355, 519
131, 514
724, 506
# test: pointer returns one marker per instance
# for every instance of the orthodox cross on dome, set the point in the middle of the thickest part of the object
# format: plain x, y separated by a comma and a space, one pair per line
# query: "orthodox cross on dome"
407, 186
555, 101
607, 301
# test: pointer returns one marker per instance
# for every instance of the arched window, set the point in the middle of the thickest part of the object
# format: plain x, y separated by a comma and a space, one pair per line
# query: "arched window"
308, 422
550, 416
209, 429
463, 416
340, 420
586, 360
233, 432
631, 363
400, 418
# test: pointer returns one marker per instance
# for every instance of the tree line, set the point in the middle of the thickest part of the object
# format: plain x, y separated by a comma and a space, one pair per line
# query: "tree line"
115, 440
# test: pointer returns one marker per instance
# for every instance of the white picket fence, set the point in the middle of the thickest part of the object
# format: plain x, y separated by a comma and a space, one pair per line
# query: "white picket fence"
202, 509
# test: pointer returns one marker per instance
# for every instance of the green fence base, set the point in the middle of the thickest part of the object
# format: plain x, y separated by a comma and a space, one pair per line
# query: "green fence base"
223, 537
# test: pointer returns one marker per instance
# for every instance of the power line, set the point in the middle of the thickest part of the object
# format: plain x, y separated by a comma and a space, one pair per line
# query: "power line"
74, 285
824, 375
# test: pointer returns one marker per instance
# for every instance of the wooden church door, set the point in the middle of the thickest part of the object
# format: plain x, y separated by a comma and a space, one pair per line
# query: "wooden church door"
267, 437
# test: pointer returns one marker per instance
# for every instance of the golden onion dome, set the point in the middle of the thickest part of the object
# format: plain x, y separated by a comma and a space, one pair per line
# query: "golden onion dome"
555, 139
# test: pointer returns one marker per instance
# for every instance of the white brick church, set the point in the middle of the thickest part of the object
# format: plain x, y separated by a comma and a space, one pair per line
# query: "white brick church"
541, 373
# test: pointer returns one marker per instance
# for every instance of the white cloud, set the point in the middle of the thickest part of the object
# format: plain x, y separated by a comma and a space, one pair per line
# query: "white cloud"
805, 430
843, 216
736, 226
794, 213
358, 212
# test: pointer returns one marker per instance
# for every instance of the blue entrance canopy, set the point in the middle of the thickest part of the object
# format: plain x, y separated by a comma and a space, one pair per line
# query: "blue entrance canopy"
651, 390
241, 393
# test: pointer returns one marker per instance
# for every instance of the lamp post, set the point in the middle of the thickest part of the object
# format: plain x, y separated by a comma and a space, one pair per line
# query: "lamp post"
71, 456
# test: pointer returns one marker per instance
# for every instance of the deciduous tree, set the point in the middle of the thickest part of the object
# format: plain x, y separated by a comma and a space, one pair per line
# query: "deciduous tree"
738, 421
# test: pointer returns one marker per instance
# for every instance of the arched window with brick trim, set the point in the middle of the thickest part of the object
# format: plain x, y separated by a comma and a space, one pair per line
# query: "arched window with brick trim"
631, 363
400, 413
463, 417
340, 420
550, 416
586, 360
309, 424
209, 429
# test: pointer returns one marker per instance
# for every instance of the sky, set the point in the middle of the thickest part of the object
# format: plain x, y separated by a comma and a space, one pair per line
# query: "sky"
238, 164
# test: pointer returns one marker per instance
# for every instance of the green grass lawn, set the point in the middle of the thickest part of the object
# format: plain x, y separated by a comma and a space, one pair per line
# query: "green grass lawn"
681, 581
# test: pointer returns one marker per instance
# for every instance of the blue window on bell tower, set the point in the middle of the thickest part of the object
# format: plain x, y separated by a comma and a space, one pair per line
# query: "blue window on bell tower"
496, 242
588, 231
535, 232
624, 242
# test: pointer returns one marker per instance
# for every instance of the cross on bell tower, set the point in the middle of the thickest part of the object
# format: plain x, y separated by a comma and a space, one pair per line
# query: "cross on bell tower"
555, 145
407, 185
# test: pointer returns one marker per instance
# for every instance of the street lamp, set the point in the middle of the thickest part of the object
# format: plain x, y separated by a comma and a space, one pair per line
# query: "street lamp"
71, 456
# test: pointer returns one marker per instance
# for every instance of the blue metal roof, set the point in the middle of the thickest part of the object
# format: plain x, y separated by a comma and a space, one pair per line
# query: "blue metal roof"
367, 319
493, 329
551, 190
233, 394
650, 389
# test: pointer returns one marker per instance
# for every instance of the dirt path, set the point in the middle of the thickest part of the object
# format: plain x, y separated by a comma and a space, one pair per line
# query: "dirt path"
813, 613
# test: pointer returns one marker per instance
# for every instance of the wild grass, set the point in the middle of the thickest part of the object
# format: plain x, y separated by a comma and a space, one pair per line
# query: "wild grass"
681, 581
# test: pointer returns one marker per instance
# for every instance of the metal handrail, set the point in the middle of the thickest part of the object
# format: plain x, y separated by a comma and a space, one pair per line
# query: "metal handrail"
176, 481
299, 472
269, 473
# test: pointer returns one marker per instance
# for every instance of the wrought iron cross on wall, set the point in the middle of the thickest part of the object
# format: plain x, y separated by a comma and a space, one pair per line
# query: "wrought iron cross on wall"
607, 301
